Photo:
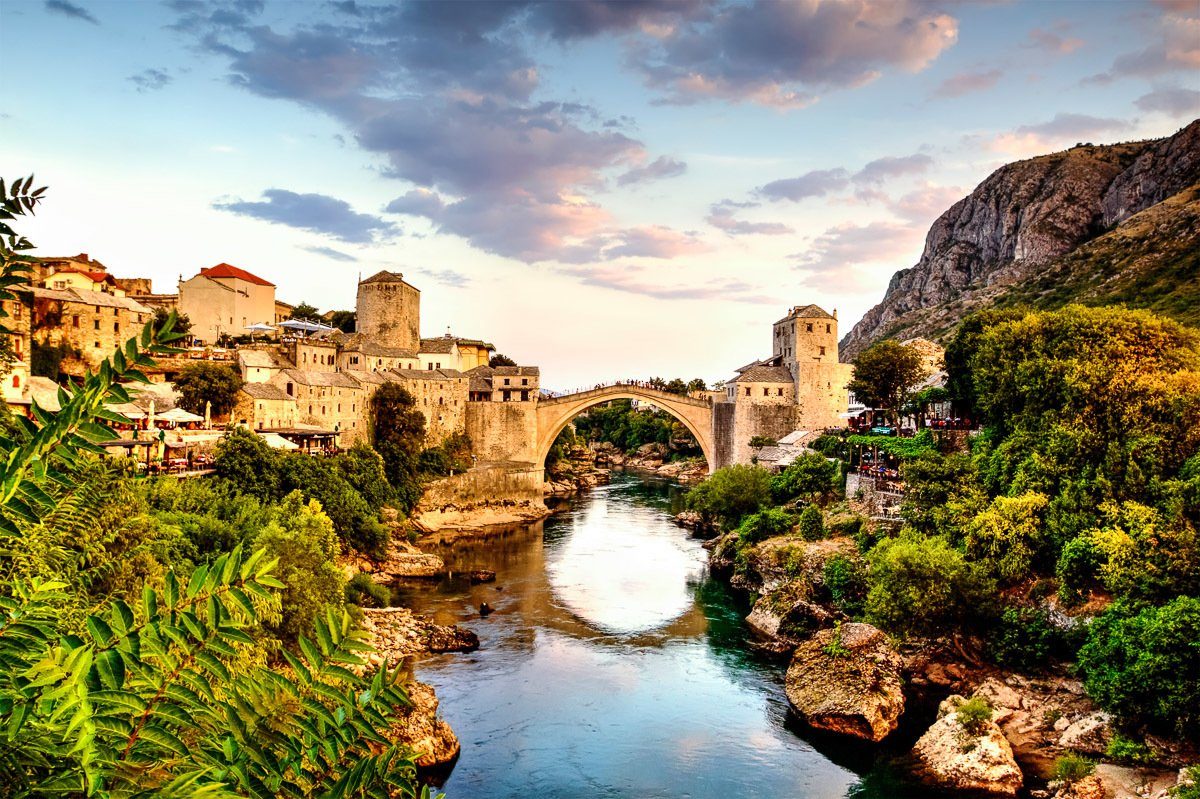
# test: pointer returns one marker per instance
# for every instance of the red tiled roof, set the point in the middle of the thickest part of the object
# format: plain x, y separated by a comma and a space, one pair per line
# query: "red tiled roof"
228, 270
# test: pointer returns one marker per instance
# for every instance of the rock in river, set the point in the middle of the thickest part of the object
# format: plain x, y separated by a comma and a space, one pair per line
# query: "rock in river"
847, 680
421, 729
950, 757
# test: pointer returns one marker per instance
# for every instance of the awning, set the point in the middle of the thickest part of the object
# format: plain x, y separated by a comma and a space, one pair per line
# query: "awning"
306, 327
179, 416
260, 327
278, 441
852, 414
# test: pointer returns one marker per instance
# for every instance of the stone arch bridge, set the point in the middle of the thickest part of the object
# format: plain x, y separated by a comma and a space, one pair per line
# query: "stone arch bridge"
555, 413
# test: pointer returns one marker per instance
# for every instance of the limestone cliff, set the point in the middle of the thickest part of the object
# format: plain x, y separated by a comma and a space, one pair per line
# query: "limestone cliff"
1033, 219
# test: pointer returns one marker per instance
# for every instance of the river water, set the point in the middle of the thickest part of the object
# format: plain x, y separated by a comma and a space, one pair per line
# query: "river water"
613, 666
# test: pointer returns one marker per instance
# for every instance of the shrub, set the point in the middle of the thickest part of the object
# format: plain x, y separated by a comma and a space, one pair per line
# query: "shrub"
923, 585
1189, 785
812, 524
1145, 665
363, 469
974, 714
811, 476
1128, 751
846, 526
362, 590
1070, 769
846, 582
1024, 638
1077, 567
1006, 537
730, 494
355, 521
765, 524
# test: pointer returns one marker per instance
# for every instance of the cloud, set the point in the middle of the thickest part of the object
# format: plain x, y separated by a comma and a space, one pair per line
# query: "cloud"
1177, 48
652, 241
329, 252
1174, 101
659, 168
68, 9
722, 216
1063, 130
966, 83
884, 169
417, 202
926, 204
1055, 40
834, 254
149, 80
446, 277
816, 183
780, 54
632, 280
318, 213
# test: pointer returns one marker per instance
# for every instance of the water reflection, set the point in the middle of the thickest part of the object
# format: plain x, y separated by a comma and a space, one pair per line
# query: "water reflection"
612, 667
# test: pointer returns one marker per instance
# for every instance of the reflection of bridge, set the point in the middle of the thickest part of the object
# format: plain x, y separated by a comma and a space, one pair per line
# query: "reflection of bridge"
555, 413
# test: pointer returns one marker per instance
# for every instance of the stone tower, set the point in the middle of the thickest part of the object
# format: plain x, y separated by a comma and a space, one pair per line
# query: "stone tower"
389, 311
806, 342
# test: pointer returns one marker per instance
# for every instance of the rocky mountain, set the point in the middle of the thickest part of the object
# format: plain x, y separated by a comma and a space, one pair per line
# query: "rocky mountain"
1094, 224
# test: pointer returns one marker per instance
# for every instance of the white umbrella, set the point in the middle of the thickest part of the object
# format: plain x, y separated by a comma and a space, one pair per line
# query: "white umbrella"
278, 441
180, 416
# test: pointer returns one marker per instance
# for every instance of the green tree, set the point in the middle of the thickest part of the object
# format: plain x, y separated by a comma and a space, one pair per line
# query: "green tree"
812, 523
398, 432
1144, 666
1007, 537
764, 524
501, 360
362, 468
885, 374
344, 321
306, 313
942, 493
696, 384
811, 477
248, 463
301, 538
923, 585
356, 522
200, 383
960, 354
46, 359
731, 493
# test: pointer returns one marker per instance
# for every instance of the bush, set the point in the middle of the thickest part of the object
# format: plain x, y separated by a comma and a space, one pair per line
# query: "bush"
1128, 751
812, 524
923, 585
1189, 785
362, 590
730, 494
1024, 638
1070, 769
1078, 564
974, 714
363, 469
811, 476
765, 524
1006, 537
1145, 665
846, 582
353, 518
846, 526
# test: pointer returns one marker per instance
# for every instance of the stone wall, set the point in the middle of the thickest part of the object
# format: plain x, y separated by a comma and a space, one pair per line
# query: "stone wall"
520, 483
821, 394
94, 330
722, 431
750, 419
503, 431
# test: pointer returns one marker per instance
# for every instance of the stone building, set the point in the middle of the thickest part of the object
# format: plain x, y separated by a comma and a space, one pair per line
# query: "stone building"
94, 323
388, 311
264, 406
356, 351
453, 352
20, 342
260, 364
224, 300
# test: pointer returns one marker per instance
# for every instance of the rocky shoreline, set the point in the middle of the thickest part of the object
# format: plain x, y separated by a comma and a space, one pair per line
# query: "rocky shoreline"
847, 678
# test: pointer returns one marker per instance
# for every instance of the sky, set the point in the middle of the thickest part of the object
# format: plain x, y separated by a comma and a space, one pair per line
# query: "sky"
605, 189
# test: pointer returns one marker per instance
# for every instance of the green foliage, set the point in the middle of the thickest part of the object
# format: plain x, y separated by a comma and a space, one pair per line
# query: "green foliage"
306, 313
362, 468
765, 524
835, 648
452, 455
1006, 536
730, 494
1189, 786
627, 428
942, 493
183, 325
846, 581
923, 585
398, 433
1145, 665
344, 321
1077, 567
974, 714
758, 442
501, 360
811, 476
1128, 751
200, 383
903, 448
960, 355
147, 701
1070, 769
812, 523
45, 359
1024, 638
885, 374
362, 590
300, 538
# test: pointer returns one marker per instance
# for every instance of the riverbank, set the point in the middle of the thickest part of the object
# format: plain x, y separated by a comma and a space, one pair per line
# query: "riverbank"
848, 679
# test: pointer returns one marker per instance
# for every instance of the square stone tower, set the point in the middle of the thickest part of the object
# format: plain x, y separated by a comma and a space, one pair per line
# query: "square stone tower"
806, 342
388, 311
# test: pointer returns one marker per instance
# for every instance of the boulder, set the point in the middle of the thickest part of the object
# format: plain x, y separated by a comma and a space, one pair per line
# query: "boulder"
948, 757
847, 680
781, 624
420, 728
1089, 734
397, 633
1087, 788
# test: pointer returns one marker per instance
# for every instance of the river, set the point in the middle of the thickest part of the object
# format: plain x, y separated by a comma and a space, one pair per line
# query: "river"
613, 666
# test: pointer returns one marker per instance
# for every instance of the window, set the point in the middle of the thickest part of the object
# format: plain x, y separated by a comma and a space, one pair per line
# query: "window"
524, 381
95, 324
96, 344
822, 350
16, 381
524, 396
506, 393
506, 381
289, 389
808, 327
828, 329
779, 392
747, 391
441, 400
75, 320
116, 327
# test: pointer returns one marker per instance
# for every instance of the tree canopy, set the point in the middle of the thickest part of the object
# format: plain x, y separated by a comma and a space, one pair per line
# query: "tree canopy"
885, 374
200, 383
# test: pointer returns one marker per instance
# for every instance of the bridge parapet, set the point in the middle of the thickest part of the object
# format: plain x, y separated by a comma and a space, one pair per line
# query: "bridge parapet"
641, 391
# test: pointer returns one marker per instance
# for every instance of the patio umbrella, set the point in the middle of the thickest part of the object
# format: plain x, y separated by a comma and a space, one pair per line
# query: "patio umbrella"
259, 327
180, 416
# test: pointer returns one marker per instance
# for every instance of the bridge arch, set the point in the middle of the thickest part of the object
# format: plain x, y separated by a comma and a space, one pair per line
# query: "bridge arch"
556, 413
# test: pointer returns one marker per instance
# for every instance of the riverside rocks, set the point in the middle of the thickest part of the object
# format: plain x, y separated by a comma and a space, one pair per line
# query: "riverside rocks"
948, 756
847, 681
398, 633
421, 729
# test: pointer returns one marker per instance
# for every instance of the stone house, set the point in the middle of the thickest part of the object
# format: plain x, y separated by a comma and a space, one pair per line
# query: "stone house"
16, 379
329, 400
388, 311
260, 364
264, 406
92, 322
357, 352
224, 300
